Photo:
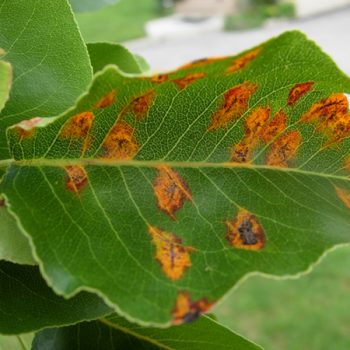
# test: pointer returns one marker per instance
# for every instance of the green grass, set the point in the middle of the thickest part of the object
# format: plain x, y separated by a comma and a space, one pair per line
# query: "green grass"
311, 313
122, 21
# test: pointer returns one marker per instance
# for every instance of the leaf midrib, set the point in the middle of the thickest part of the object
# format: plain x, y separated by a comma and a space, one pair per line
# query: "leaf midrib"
41, 162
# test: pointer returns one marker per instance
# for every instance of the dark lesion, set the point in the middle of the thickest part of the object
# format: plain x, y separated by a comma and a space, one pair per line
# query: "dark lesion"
247, 234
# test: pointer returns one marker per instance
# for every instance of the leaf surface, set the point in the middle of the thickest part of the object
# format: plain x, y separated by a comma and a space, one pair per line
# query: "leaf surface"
51, 66
116, 333
28, 304
5, 81
162, 193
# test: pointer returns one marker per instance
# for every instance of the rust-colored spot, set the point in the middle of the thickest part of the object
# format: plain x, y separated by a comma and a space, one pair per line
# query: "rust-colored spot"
78, 126
77, 178
120, 142
2, 202
202, 62
173, 257
272, 129
331, 117
284, 149
243, 151
344, 195
141, 104
159, 78
243, 61
106, 100
171, 190
26, 128
245, 231
235, 104
298, 91
186, 310
188, 79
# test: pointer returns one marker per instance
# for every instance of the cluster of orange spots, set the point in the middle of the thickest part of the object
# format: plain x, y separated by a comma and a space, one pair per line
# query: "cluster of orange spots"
77, 178
284, 149
170, 190
106, 100
245, 231
26, 128
344, 195
243, 151
272, 129
173, 257
120, 142
141, 104
78, 126
235, 104
331, 117
243, 61
188, 79
186, 310
202, 62
298, 91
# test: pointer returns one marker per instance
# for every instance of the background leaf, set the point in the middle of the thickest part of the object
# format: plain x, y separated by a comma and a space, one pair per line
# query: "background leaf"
14, 246
102, 54
89, 5
5, 81
116, 333
145, 203
50, 62
28, 304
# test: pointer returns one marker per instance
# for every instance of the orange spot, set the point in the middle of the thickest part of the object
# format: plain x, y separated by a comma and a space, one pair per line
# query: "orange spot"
171, 254
245, 231
243, 151
120, 142
160, 78
331, 117
186, 310
272, 129
202, 62
243, 61
344, 195
171, 191
25, 128
107, 100
78, 126
188, 79
140, 105
284, 149
298, 91
235, 104
76, 178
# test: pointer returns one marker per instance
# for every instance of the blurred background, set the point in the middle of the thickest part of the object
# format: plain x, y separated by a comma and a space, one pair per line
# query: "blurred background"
312, 312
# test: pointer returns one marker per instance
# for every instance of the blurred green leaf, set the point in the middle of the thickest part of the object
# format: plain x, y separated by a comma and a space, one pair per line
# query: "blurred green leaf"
116, 333
5, 81
89, 5
28, 304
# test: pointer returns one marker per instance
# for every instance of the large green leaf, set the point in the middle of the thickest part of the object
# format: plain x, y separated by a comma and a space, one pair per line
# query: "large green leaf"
28, 304
116, 333
50, 62
135, 193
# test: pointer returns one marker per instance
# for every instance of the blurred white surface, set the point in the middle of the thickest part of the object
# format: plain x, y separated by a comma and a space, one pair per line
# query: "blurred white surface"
331, 31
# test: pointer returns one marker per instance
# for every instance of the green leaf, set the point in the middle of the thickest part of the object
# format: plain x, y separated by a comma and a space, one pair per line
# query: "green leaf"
28, 304
162, 193
116, 333
5, 81
89, 5
102, 54
50, 62
14, 246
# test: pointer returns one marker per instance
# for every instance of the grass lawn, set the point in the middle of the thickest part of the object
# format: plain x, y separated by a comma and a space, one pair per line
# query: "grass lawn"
122, 21
311, 313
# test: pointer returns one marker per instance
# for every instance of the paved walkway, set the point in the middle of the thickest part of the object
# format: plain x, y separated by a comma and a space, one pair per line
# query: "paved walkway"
331, 31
